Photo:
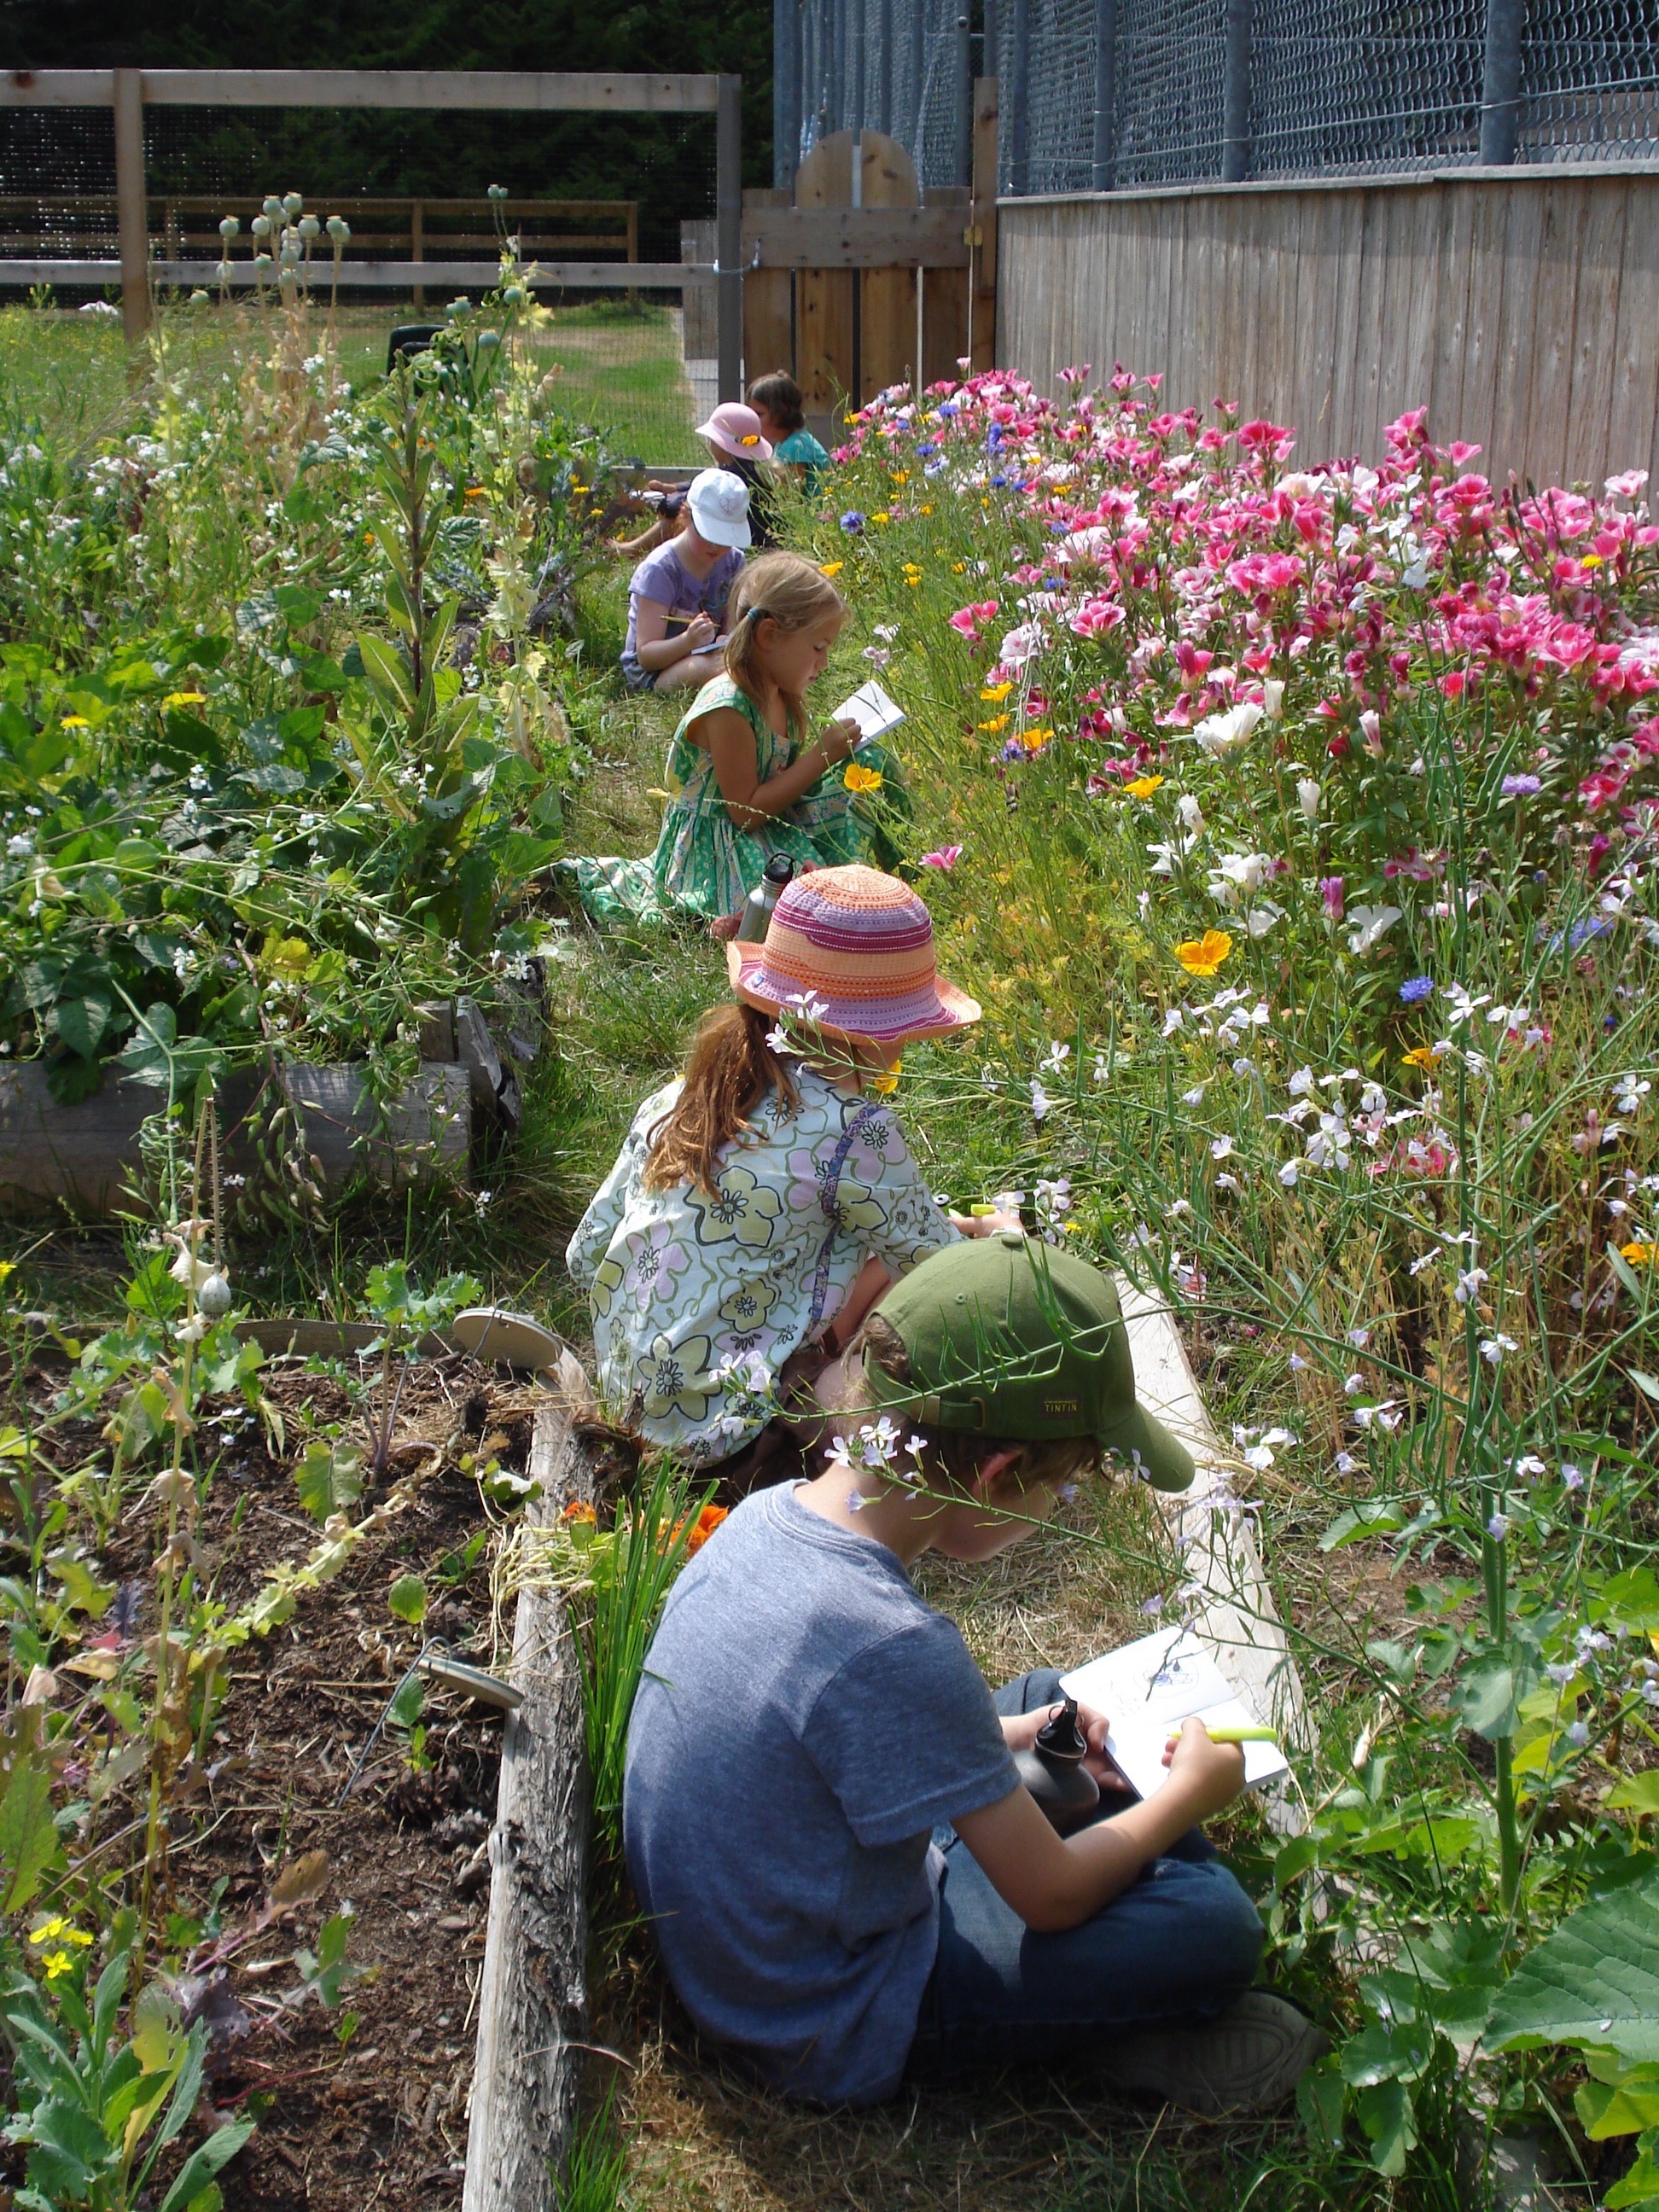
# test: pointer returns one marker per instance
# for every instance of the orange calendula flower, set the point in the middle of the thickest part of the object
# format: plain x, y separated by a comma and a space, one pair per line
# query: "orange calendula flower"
831, 567
579, 1510
1202, 956
1639, 1256
996, 692
1034, 739
1144, 786
702, 1528
859, 778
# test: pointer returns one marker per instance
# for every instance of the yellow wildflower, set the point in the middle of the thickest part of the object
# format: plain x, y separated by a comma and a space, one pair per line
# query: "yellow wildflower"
958, 567
1425, 1056
58, 1931
881, 515
1639, 1256
185, 699
74, 722
1034, 738
831, 567
58, 1963
478, 491
900, 476
1202, 956
926, 510
858, 778
1144, 786
997, 722
996, 692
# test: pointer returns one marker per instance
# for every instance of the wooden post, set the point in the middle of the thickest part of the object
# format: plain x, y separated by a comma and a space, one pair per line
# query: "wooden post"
1236, 95
417, 245
728, 254
1103, 170
132, 210
1500, 84
533, 2006
633, 230
982, 218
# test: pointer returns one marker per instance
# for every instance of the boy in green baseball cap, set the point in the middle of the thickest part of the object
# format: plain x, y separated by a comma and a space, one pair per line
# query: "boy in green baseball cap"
823, 1818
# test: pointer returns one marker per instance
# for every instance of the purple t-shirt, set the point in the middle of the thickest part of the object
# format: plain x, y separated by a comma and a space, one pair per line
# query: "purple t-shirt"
663, 577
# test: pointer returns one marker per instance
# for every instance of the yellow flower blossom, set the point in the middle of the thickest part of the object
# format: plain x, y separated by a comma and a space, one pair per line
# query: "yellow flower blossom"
1144, 786
185, 699
881, 515
1202, 956
1639, 1256
858, 778
1425, 1056
958, 567
74, 722
1033, 738
831, 567
997, 722
58, 1930
58, 1963
996, 692
900, 476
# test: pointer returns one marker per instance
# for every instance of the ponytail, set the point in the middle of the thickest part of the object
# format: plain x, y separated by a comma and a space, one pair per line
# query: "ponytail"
729, 1071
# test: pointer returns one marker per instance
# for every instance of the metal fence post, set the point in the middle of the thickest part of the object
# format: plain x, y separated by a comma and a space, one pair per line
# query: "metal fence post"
884, 68
728, 231
786, 91
1500, 82
1019, 95
132, 210
962, 92
919, 82
1104, 168
853, 117
1236, 95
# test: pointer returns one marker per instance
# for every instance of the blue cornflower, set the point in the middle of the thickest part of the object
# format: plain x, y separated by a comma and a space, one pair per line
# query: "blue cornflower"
947, 408
993, 438
997, 482
926, 446
1416, 988
852, 522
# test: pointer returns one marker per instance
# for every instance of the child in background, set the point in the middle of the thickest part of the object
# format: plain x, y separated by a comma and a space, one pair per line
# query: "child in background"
805, 1721
743, 782
761, 1202
776, 400
677, 596
734, 437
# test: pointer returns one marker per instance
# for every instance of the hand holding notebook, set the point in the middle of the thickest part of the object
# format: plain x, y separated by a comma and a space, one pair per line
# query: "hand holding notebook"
871, 708
1146, 1689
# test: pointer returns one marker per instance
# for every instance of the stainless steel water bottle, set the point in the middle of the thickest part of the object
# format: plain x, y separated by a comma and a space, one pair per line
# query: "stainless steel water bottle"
757, 907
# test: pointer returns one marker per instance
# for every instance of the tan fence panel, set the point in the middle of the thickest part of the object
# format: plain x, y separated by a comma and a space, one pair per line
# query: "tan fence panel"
1521, 307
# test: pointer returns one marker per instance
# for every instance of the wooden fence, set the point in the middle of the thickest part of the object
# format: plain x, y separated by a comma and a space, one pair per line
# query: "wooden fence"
1520, 305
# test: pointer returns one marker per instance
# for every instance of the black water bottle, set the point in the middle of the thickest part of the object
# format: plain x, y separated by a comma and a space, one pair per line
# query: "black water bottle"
1054, 1773
779, 874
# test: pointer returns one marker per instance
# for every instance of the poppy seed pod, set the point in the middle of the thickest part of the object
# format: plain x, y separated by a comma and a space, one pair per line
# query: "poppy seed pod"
213, 1298
262, 263
229, 227
309, 227
338, 229
515, 296
292, 203
260, 226
488, 340
223, 273
498, 192
273, 207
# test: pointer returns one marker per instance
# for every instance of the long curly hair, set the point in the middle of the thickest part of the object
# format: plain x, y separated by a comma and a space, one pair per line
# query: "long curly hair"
729, 1072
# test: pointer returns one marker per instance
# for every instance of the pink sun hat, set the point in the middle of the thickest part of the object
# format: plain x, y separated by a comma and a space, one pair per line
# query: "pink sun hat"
858, 946
736, 429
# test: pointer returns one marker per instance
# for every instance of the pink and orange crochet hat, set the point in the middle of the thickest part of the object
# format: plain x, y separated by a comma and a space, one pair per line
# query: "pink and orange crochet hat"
860, 945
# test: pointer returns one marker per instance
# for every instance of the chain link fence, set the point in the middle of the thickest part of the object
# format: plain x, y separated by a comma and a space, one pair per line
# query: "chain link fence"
1104, 94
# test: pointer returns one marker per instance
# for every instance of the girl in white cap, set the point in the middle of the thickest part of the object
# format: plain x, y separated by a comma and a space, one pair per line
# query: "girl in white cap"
677, 596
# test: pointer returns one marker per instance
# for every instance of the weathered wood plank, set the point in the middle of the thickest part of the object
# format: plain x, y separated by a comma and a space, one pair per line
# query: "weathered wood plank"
519, 89
1500, 299
887, 317
874, 236
533, 2003
370, 276
427, 1128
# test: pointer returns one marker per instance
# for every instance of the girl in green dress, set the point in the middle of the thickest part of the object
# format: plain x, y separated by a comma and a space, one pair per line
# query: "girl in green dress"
743, 779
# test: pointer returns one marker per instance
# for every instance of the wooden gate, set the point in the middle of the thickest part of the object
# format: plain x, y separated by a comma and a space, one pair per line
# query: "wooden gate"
863, 277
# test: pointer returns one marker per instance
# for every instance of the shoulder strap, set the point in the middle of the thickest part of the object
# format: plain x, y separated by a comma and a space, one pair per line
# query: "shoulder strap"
829, 1188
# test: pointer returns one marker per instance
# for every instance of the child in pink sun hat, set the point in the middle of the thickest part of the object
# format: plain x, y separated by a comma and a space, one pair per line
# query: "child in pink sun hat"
762, 1202
738, 442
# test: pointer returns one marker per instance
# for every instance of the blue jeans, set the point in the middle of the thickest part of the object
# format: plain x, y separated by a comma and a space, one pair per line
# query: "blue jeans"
1177, 1947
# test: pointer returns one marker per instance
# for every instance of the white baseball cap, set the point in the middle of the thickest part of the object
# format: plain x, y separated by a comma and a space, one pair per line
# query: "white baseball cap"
720, 507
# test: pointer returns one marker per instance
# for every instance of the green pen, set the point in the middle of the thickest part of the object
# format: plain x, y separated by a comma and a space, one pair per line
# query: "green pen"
1236, 1735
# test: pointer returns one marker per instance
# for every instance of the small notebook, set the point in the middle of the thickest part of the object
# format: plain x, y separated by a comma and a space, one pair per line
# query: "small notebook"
1147, 1688
873, 710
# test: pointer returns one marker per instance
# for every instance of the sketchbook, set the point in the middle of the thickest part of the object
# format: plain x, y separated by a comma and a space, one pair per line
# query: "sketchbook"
873, 710
1147, 1688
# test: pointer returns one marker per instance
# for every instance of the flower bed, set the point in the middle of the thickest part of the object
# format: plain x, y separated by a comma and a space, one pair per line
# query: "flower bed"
1296, 824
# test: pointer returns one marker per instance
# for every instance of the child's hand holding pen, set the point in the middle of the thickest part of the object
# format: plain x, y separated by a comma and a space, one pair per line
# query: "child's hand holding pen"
840, 741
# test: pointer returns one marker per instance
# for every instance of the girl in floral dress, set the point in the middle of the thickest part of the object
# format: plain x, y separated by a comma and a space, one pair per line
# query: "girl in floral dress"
761, 1203
743, 779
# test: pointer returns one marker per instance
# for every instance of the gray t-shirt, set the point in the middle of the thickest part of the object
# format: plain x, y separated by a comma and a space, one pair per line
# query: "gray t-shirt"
804, 1721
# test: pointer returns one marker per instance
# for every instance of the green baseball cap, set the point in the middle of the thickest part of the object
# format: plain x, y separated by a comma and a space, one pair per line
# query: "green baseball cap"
1011, 1338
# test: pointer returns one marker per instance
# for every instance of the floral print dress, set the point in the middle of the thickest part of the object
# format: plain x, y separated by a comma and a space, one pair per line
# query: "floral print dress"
704, 861
683, 1285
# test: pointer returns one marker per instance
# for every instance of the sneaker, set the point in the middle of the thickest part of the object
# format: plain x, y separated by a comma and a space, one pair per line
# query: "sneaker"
1248, 2060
